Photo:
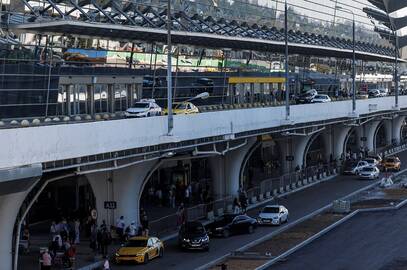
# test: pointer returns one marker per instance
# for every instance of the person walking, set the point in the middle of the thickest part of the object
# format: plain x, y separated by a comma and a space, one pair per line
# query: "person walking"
120, 225
46, 260
77, 228
236, 206
105, 241
106, 265
144, 224
53, 230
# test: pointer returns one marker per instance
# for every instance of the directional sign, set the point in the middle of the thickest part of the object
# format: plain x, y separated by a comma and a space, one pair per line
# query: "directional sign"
110, 204
289, 158
363, 139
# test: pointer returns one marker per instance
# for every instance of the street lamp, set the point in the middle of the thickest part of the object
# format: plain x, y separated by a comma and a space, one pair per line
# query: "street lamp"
203, 95
287, 83
169, 71
396, 81
353, 60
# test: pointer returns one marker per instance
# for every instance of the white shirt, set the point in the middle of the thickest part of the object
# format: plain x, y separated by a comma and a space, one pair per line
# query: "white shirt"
120, 223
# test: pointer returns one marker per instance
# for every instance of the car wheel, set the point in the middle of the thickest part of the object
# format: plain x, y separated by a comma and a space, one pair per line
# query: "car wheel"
161, 253
250, 229
279, 221
148, 114
226, 233
286, 219
145, 259
207, 249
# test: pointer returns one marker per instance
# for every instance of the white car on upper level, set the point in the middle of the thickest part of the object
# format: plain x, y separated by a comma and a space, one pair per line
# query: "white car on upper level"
320, 98
144, 108
273, 215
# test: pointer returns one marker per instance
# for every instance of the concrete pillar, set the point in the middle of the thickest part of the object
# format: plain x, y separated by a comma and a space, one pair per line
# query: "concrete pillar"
227, 170
339, 136
294, 146
370, 130
9, 207
124, 186
393, 130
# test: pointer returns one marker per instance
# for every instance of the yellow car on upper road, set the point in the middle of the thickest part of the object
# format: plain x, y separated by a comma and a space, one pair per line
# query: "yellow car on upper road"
140, 249
391, 163
182, 108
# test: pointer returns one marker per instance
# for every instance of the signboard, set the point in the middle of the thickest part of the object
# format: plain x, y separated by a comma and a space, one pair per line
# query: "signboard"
289, 158
363, 139
94, 214
110, 204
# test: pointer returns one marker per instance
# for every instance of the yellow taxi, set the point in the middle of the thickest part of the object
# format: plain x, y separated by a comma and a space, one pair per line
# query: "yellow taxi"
140, 249
182, 108
391, 163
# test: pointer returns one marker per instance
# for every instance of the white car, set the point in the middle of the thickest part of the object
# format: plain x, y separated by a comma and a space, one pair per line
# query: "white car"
144, 108
359, 166
273, 215
370, 172
321, 99
372, 161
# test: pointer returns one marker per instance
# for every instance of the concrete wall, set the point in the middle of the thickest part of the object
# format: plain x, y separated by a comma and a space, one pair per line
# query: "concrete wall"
62, 141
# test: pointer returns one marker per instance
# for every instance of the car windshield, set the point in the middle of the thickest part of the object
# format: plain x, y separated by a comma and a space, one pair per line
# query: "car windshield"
136, 243
368, 169
141, 105
271, 209
391, 160
181, 106
194, 228
370, 160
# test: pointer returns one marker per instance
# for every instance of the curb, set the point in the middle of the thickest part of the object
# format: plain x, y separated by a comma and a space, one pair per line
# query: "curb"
286, 227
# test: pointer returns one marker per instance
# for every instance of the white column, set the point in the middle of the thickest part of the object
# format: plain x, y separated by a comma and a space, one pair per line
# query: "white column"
226, 170
370, 134
397, 125
124, 186
339, 139
9, 206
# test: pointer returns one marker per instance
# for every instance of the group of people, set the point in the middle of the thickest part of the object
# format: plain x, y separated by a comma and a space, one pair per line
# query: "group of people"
174, 195
124, 232
240, 204
62, 248
100, 238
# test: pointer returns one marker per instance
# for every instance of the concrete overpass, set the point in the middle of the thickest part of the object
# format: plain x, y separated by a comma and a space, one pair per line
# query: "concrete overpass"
126, 151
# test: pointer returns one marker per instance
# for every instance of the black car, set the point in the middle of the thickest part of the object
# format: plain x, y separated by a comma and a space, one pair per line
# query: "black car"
305, 98
348, 167
192, 235
232, 224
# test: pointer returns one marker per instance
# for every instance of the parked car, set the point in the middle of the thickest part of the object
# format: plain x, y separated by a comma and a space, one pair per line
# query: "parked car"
391, 163
321, 99
182, 108
192, 235
306, 97
377, 157
144, 108
383, 92
232, 224
372, 161
359, 166
202, 85
348, 167
273, 215
140, 249
369, 172
374, 93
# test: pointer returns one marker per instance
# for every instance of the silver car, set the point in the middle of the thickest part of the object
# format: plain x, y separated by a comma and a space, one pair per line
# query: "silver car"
370, 172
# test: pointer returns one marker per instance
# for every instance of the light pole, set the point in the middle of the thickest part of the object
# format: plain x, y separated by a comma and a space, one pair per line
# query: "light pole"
203, 95
396, 81
287, 83
169, 71
353, 60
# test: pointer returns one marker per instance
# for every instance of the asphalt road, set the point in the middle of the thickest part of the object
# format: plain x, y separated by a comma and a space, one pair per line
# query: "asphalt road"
299, 204
368, 241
